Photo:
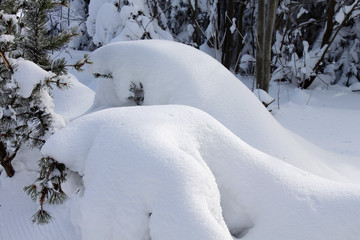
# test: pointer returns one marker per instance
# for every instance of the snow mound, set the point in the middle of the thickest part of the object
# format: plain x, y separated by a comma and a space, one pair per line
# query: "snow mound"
75, 101
173, 73
34, 75
174, 172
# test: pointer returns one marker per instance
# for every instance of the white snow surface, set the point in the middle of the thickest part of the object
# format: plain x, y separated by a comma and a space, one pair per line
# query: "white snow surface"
174, 172
173, 73
27, 75
74, 101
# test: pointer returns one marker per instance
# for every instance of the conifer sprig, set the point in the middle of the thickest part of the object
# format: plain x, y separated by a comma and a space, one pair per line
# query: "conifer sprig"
47, 188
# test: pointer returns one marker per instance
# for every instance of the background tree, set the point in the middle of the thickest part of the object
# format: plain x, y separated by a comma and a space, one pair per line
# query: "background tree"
265, 26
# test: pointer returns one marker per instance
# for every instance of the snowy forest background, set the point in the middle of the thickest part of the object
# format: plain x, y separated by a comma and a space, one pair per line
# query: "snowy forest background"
234, 172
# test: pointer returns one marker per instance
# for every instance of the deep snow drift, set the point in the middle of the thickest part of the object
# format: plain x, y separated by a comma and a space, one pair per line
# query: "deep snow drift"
174, 172
160, 172
173, 73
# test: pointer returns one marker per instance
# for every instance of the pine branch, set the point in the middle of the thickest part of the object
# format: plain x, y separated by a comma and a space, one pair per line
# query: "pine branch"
47, 188
81, 63
6, 62
41, 217
31, 190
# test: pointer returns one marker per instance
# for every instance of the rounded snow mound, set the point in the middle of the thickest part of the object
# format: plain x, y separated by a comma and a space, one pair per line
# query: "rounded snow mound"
75, 101
174, 172
173, 73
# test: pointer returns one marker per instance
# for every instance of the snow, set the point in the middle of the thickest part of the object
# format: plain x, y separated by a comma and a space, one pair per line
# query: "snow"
16, 210
173, 73
171, 170
355, 87
327, 118
263, 96
111, 21
170, 182
345, 10
233, 26
106, 24
205, 161
301, 12
6, 38
74, 101
34, 75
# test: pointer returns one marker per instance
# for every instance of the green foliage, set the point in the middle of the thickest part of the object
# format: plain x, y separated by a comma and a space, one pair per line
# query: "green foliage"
37, 42
41, 217
29, 120
47, 188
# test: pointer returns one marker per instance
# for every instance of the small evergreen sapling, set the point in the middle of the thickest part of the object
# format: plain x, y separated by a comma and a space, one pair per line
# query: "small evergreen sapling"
27, 119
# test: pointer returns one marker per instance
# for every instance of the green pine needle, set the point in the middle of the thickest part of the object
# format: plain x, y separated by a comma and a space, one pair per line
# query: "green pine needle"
31, 191
41, 217
57, 197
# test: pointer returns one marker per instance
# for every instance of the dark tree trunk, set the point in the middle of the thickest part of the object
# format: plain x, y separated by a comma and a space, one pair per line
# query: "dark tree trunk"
5, 161
330, 23
269, 29
195, 14
260, 39
228, 46
240, 35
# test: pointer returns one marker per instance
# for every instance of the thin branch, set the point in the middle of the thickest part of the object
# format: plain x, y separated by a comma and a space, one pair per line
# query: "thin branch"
6, 62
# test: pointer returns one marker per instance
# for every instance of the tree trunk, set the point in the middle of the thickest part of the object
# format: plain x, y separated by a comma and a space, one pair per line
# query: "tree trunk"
6, 162
195, 12
268, 43
229, 37
260, 39
329, 23
240, 36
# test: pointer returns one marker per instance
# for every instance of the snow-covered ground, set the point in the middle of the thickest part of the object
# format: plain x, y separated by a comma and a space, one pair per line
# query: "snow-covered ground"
329, 117
205, 161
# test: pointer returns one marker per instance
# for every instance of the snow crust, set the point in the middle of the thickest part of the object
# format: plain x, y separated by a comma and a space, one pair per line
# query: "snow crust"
173, 73
174, 172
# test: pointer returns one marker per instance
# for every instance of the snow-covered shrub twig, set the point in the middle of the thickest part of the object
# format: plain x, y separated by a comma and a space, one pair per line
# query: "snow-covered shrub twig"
137, 93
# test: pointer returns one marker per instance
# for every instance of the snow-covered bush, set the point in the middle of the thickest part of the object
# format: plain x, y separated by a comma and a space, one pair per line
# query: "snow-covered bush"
73, 15
310, 51
112, 20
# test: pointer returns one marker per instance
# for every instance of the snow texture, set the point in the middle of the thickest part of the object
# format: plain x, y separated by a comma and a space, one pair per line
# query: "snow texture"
173, 73
34, 75
174, 172
113, 21
74, 101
